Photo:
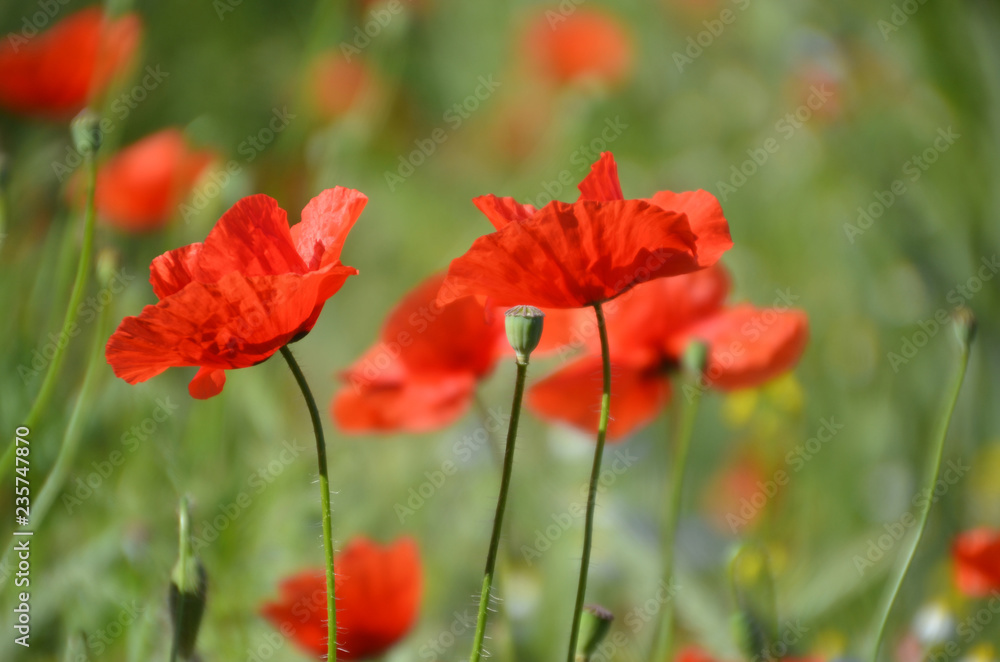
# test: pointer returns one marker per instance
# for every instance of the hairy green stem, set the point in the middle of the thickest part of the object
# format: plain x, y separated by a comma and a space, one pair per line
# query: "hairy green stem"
324, 486
595, 474
491, 556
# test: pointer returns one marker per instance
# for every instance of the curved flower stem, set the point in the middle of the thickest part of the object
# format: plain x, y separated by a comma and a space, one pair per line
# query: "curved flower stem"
595, 474
72, 311
491, 556
682, 437
324, 486
941, 434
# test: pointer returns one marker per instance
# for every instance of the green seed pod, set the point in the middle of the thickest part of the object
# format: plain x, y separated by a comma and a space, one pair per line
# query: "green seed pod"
595, 623
86, 130
524, 330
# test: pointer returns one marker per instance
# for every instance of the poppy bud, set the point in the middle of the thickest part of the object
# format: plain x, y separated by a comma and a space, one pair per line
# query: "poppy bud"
76, 648
86, 132
965, 325
595, 623
107, 266
695, 358
756, 621
524, 330
188, 583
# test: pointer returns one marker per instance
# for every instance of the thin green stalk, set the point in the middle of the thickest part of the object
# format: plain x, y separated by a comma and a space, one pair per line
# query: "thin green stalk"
595, 474
491, 556
682, 432
942, 433
324, 486
72, 311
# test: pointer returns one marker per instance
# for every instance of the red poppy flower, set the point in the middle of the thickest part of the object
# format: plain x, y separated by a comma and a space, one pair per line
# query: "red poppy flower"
585, 44
378, 591
57, 72
423, 372
696, 654
574, 255
252, 287
338, 83
140, 187
648, 332
976, 556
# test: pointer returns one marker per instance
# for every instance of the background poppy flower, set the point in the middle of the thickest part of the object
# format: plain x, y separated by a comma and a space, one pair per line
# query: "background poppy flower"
976, 556
378, 591
337, 84
140, 187
586, 44
57, 72
574, 255
252, 287
423, 372
648, 332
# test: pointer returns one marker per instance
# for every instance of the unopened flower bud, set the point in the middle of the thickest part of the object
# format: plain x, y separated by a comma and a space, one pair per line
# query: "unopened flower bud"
965, 325
86, 130
107, 265
524, 330
188, 585
595, 623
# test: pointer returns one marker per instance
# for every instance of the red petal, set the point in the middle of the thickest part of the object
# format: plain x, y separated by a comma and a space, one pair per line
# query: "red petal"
207, 383
704, 215
573, 255
378, 598
602, 182
234, 323
747, 346
573, 396
502, 211
976, 555
326, 221
252, 237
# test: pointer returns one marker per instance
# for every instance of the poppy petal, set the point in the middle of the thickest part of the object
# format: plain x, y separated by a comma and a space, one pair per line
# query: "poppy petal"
976, 557
207, 383
602, 182
573, 396
252, 237
704, 215
326, 221
573, 255
501, 211
747, 346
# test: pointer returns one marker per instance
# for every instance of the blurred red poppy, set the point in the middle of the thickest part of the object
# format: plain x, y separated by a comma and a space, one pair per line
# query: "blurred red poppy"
140, 187
56, 73
423, 372
378, 591
695, 654
574, 255
582, 44
976, 556
338, 83
231, 302
648, 332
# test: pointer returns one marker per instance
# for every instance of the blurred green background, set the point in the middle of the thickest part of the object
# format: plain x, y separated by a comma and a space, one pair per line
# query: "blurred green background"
685, 124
